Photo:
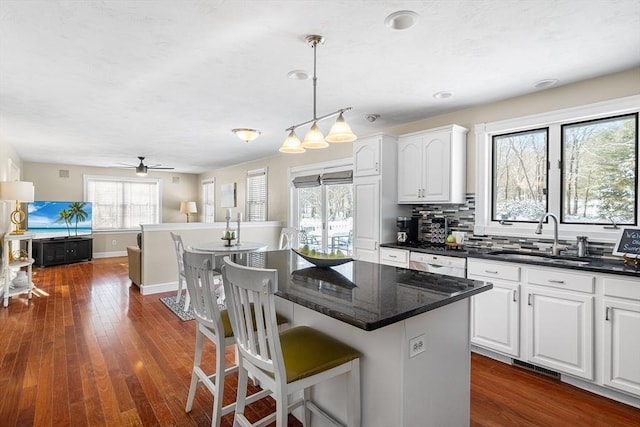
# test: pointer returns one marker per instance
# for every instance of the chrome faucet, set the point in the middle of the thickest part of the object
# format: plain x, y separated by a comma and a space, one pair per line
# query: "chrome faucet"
555, 249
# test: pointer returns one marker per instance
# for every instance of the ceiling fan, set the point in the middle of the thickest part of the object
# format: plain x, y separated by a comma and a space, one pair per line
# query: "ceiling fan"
142, 169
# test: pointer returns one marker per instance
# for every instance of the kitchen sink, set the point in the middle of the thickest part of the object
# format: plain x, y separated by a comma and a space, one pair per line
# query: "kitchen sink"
551, 259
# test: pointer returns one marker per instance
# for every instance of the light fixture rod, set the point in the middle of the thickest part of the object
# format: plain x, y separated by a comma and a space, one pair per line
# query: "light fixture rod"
317, 119
314, 43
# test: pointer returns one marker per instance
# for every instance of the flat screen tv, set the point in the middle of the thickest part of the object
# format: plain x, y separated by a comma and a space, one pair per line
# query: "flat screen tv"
59, 219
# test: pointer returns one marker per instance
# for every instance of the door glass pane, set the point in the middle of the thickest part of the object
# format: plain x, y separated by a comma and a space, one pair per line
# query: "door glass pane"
599, 171
520, 176
340, 218
310, 217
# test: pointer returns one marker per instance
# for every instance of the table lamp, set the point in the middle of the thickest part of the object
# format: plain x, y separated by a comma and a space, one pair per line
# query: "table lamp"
20, 191
188, 208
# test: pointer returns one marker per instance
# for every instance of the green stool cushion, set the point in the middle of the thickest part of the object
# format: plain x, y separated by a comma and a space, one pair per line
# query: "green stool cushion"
307, 352
226, 322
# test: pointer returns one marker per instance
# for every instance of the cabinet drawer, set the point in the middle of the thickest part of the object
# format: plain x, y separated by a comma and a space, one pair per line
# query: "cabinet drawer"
563, 279
394, 257
622, 288
483, 269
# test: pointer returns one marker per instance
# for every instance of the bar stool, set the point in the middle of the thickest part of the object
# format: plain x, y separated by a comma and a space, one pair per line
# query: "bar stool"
179, 248
214, 324
286, 362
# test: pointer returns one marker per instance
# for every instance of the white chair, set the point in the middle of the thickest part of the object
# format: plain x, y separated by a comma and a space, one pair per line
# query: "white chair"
289, 238
213, 323
284, 363
179, 248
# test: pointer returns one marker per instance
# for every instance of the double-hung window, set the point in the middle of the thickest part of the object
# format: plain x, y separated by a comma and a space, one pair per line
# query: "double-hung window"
208, 200
580, 164
123, 203
257, 195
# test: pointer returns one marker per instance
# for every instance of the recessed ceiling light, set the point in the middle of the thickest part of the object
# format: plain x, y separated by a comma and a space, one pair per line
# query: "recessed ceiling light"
401, 20
543, 84
443, 94
298, 75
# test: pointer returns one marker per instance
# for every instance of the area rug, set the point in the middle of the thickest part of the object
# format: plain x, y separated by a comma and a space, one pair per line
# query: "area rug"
177, 308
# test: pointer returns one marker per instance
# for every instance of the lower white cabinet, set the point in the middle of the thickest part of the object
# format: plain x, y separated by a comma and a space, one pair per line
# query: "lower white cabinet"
495, 318
621, 347
559, 327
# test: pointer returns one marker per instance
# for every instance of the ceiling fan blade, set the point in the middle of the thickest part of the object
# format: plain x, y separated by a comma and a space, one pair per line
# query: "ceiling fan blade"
158, 167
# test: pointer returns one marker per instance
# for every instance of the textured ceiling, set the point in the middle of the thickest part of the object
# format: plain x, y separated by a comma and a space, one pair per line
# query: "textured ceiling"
99, 83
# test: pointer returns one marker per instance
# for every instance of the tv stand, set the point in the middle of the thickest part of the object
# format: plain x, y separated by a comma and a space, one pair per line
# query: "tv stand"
62, 250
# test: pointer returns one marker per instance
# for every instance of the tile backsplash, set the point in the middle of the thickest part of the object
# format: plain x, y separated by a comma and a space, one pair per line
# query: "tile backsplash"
462, 216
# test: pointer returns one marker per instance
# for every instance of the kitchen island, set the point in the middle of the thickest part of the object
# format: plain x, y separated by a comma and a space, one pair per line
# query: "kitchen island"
412, 329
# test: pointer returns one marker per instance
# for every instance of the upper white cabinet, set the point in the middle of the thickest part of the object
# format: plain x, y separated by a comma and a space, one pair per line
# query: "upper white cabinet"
374, 187
366, 156
432, 166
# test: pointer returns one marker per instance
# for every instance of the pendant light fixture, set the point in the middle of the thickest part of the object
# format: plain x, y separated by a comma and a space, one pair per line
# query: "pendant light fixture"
314, 139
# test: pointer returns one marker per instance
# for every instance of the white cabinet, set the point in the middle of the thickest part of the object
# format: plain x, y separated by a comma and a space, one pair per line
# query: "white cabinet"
495, 314
432, 166
17, 266
394, 257
560, 321
621, 344
374, 187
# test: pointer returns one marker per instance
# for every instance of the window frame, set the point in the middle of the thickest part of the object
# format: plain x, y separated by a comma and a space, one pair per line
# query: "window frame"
484, 225
120, 179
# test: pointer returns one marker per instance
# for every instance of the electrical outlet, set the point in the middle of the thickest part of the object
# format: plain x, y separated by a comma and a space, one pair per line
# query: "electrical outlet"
113, 242
416, 346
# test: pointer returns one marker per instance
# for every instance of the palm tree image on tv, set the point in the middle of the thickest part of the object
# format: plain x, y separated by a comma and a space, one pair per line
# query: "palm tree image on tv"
75, 212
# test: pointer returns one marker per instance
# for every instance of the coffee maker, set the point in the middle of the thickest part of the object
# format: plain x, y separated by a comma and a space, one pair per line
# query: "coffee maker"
407, 232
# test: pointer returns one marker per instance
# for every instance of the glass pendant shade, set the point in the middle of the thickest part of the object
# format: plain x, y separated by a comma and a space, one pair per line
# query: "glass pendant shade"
341, 132
292, 144
314, 139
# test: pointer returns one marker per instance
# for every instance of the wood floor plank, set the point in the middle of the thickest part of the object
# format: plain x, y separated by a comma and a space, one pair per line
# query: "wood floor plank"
93, 351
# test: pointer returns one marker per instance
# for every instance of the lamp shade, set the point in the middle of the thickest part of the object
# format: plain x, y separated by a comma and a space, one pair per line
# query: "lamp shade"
314, 139
341, 132
21, 191
292, 144
188, 207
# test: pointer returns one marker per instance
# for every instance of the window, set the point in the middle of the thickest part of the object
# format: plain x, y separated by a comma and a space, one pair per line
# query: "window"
599, 164
123, 203
257, 195
579, 163
322, 208
208, 200
520, 176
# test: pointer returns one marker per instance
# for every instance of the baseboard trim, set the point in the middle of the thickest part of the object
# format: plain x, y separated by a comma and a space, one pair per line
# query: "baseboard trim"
158, 288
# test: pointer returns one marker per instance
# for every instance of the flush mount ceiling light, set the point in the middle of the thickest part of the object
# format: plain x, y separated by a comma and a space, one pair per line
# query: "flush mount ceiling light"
546, 83
298, 75
247, 135
314, 139
401, 20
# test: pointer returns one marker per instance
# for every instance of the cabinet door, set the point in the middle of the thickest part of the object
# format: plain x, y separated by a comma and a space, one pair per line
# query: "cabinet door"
560, 330
495, 318
366, 224
622, 346
410, 169
436, 158
366, 157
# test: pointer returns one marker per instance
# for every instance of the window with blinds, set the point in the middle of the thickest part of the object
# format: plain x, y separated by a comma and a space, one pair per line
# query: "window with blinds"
257, 195
208, 200
123, 203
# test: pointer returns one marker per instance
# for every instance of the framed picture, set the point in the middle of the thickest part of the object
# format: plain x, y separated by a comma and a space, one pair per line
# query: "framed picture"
228, 195
628, 242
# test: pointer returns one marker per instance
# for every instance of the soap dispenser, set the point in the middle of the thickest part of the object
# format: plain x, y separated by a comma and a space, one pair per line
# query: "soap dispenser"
582, 246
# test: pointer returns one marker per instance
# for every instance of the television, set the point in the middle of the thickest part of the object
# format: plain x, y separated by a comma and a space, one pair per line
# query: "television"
49, 219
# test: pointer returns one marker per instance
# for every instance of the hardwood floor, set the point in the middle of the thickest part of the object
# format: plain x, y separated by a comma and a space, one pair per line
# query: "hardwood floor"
92, 351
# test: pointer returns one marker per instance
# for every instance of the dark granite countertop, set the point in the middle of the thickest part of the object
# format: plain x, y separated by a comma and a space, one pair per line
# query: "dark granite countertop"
597, 265
363, 294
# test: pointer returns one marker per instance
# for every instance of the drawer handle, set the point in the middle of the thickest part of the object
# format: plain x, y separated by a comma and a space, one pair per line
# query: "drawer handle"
556, 281
491, 271
392, 256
